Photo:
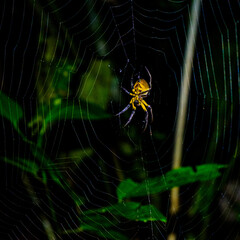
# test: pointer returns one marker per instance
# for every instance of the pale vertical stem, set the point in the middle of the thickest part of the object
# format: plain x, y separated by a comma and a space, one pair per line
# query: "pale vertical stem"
184, 94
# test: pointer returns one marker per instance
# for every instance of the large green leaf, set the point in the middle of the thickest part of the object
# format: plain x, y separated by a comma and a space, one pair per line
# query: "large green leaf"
173, 178
10, 110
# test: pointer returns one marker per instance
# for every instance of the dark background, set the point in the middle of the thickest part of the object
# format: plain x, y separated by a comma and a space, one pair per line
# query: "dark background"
83, 53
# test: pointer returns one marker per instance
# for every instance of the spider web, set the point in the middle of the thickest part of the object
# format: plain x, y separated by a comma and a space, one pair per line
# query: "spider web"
64, 153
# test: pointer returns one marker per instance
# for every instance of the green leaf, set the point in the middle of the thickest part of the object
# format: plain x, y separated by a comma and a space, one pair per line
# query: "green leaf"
95, 220
125, 187
10, 110
80, 110
173, 178
148, 213
116, 209
23, 164
133, 211
111, 234
99, 225
56, 174
47, 165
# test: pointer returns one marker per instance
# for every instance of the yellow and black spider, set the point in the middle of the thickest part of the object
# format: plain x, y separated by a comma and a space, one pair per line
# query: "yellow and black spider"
140, 90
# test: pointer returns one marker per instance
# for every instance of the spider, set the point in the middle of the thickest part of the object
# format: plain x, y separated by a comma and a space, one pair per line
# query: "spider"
140, 90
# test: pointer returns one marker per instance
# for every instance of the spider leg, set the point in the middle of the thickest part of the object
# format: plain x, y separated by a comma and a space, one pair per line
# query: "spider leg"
146, 121
124, 110
151, 112
130, 118
143, 103
125, 90
149, 107
150, 76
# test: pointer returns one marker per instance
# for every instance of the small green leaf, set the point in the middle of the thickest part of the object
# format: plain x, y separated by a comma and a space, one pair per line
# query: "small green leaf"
23, 164
47, 165
149, 213
173, 178
127, 186
10, 110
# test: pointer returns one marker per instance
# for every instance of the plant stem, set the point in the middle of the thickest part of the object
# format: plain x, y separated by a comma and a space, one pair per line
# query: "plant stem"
184, 94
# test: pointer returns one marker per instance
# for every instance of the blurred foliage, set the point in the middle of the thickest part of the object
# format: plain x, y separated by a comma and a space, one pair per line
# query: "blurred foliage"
25, 165
66, 111
97, 84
